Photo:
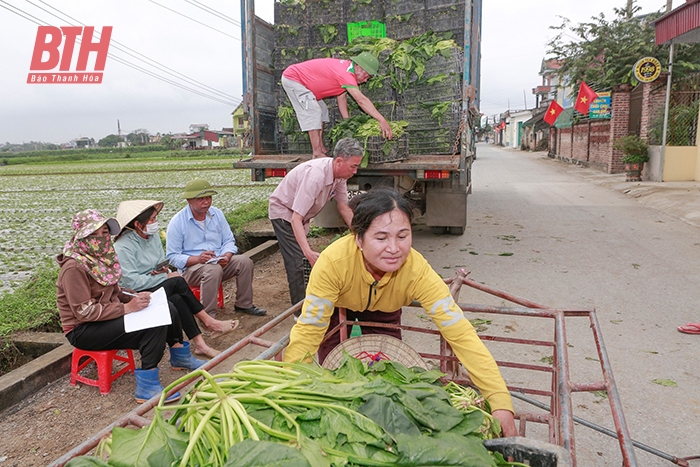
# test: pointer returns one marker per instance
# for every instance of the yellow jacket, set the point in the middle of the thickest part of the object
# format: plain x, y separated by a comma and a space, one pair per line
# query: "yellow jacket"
339, 279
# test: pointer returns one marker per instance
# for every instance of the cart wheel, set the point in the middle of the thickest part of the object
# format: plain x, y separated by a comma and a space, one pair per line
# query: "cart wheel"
457, 230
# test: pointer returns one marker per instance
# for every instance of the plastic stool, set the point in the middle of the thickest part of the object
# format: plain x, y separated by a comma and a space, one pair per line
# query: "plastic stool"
103, 359
219, 297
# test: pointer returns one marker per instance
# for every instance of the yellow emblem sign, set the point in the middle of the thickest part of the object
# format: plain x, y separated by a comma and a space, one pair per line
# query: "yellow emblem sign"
647, 69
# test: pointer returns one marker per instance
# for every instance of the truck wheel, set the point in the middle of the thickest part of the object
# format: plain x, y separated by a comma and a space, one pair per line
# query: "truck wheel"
456, 230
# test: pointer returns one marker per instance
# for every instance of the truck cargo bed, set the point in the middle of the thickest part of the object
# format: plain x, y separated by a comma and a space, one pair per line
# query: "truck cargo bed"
289, 161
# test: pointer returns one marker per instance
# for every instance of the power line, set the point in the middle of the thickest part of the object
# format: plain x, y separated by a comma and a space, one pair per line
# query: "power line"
230, 100
192, 19
149, 61
40, 23
212, 11
174, 83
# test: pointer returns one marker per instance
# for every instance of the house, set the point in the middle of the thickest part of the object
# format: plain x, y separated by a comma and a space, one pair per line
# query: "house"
195, 127
513, 132
670, 162
552, 87
82, 143
241, 126
202, 139
536, 131
227, 138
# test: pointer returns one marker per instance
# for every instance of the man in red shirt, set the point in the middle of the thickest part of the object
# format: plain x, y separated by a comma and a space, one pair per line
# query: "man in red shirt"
308, 83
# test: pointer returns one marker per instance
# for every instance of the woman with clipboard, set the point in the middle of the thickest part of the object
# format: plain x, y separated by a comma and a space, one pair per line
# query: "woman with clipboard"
92, 305
144, 268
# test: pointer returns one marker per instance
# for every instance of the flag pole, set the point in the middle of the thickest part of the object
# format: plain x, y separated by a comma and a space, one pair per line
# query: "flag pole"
668, 99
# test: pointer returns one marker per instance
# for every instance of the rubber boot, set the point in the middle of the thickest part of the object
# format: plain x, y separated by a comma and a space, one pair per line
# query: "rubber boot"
182, 359
148, 385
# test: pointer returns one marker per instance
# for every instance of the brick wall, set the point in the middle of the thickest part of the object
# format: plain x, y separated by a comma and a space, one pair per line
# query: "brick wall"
580, 151
564, 144
619, 124
553, 144
653, 102
591, 144
599, 144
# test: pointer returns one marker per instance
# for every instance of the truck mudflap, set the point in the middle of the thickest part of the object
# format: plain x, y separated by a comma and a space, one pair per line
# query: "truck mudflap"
446, 208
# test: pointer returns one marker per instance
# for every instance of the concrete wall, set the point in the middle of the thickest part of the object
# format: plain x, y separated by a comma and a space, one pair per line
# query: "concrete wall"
680, 163
652, 170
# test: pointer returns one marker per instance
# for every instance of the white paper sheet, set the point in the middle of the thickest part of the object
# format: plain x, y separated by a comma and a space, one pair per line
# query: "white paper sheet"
155, 314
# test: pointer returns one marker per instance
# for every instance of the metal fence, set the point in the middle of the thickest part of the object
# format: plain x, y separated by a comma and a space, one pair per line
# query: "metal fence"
682, 114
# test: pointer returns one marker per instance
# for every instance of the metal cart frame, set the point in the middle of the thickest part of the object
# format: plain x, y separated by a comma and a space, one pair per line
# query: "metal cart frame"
558, 415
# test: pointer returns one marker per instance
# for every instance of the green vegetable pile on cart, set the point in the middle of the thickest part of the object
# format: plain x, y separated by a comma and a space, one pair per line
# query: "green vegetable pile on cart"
302, 415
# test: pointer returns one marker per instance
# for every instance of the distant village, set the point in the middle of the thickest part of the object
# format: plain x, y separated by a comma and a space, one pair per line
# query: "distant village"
198, 136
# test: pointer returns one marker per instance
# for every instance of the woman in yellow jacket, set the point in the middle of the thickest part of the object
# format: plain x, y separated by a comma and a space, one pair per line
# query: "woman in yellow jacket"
377, 271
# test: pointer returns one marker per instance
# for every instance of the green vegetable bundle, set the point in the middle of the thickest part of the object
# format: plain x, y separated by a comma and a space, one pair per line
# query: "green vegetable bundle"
272, 413
407, 58
363, 127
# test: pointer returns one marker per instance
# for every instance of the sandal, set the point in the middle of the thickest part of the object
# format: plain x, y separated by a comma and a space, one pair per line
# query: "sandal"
229, 326
209, 353
690, 328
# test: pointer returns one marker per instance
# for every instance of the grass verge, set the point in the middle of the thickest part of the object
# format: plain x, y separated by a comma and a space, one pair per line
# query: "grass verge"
247, 213
30, 307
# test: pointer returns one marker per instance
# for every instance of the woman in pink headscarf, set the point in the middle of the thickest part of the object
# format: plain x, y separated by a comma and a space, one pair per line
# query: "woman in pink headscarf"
92, 305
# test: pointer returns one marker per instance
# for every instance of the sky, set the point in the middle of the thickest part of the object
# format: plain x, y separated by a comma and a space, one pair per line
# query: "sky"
196, 43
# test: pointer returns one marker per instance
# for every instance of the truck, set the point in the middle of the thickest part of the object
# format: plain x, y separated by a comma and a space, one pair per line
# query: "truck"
440, 103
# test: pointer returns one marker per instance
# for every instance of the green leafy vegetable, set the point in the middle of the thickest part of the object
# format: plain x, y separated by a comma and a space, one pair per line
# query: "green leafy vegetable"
328, 32
86, 461
284, 414
665, 382
249, 453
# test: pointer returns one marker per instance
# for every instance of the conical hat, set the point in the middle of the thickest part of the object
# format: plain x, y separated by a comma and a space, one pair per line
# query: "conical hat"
129, 210
378, 346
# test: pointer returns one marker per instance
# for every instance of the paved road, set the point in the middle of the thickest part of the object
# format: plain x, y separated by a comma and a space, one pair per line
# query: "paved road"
576, 244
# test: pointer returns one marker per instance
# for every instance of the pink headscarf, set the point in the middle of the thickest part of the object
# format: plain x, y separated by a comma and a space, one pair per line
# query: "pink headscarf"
95, 254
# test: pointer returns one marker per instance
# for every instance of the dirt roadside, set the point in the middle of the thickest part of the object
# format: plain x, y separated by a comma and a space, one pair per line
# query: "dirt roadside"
59, 417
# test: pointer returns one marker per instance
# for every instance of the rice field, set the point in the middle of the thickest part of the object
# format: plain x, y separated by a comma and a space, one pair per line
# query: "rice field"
38, 201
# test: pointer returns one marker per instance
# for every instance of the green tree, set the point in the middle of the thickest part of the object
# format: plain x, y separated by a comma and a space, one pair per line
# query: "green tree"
603, 52
138, 137
109, 141
166, 140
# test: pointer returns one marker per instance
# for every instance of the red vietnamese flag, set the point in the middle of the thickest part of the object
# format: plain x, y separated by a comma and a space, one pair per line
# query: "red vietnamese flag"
553, 112
585, 98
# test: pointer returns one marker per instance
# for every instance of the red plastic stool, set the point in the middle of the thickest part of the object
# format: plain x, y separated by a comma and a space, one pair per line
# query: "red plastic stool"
219, 297
103, 359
